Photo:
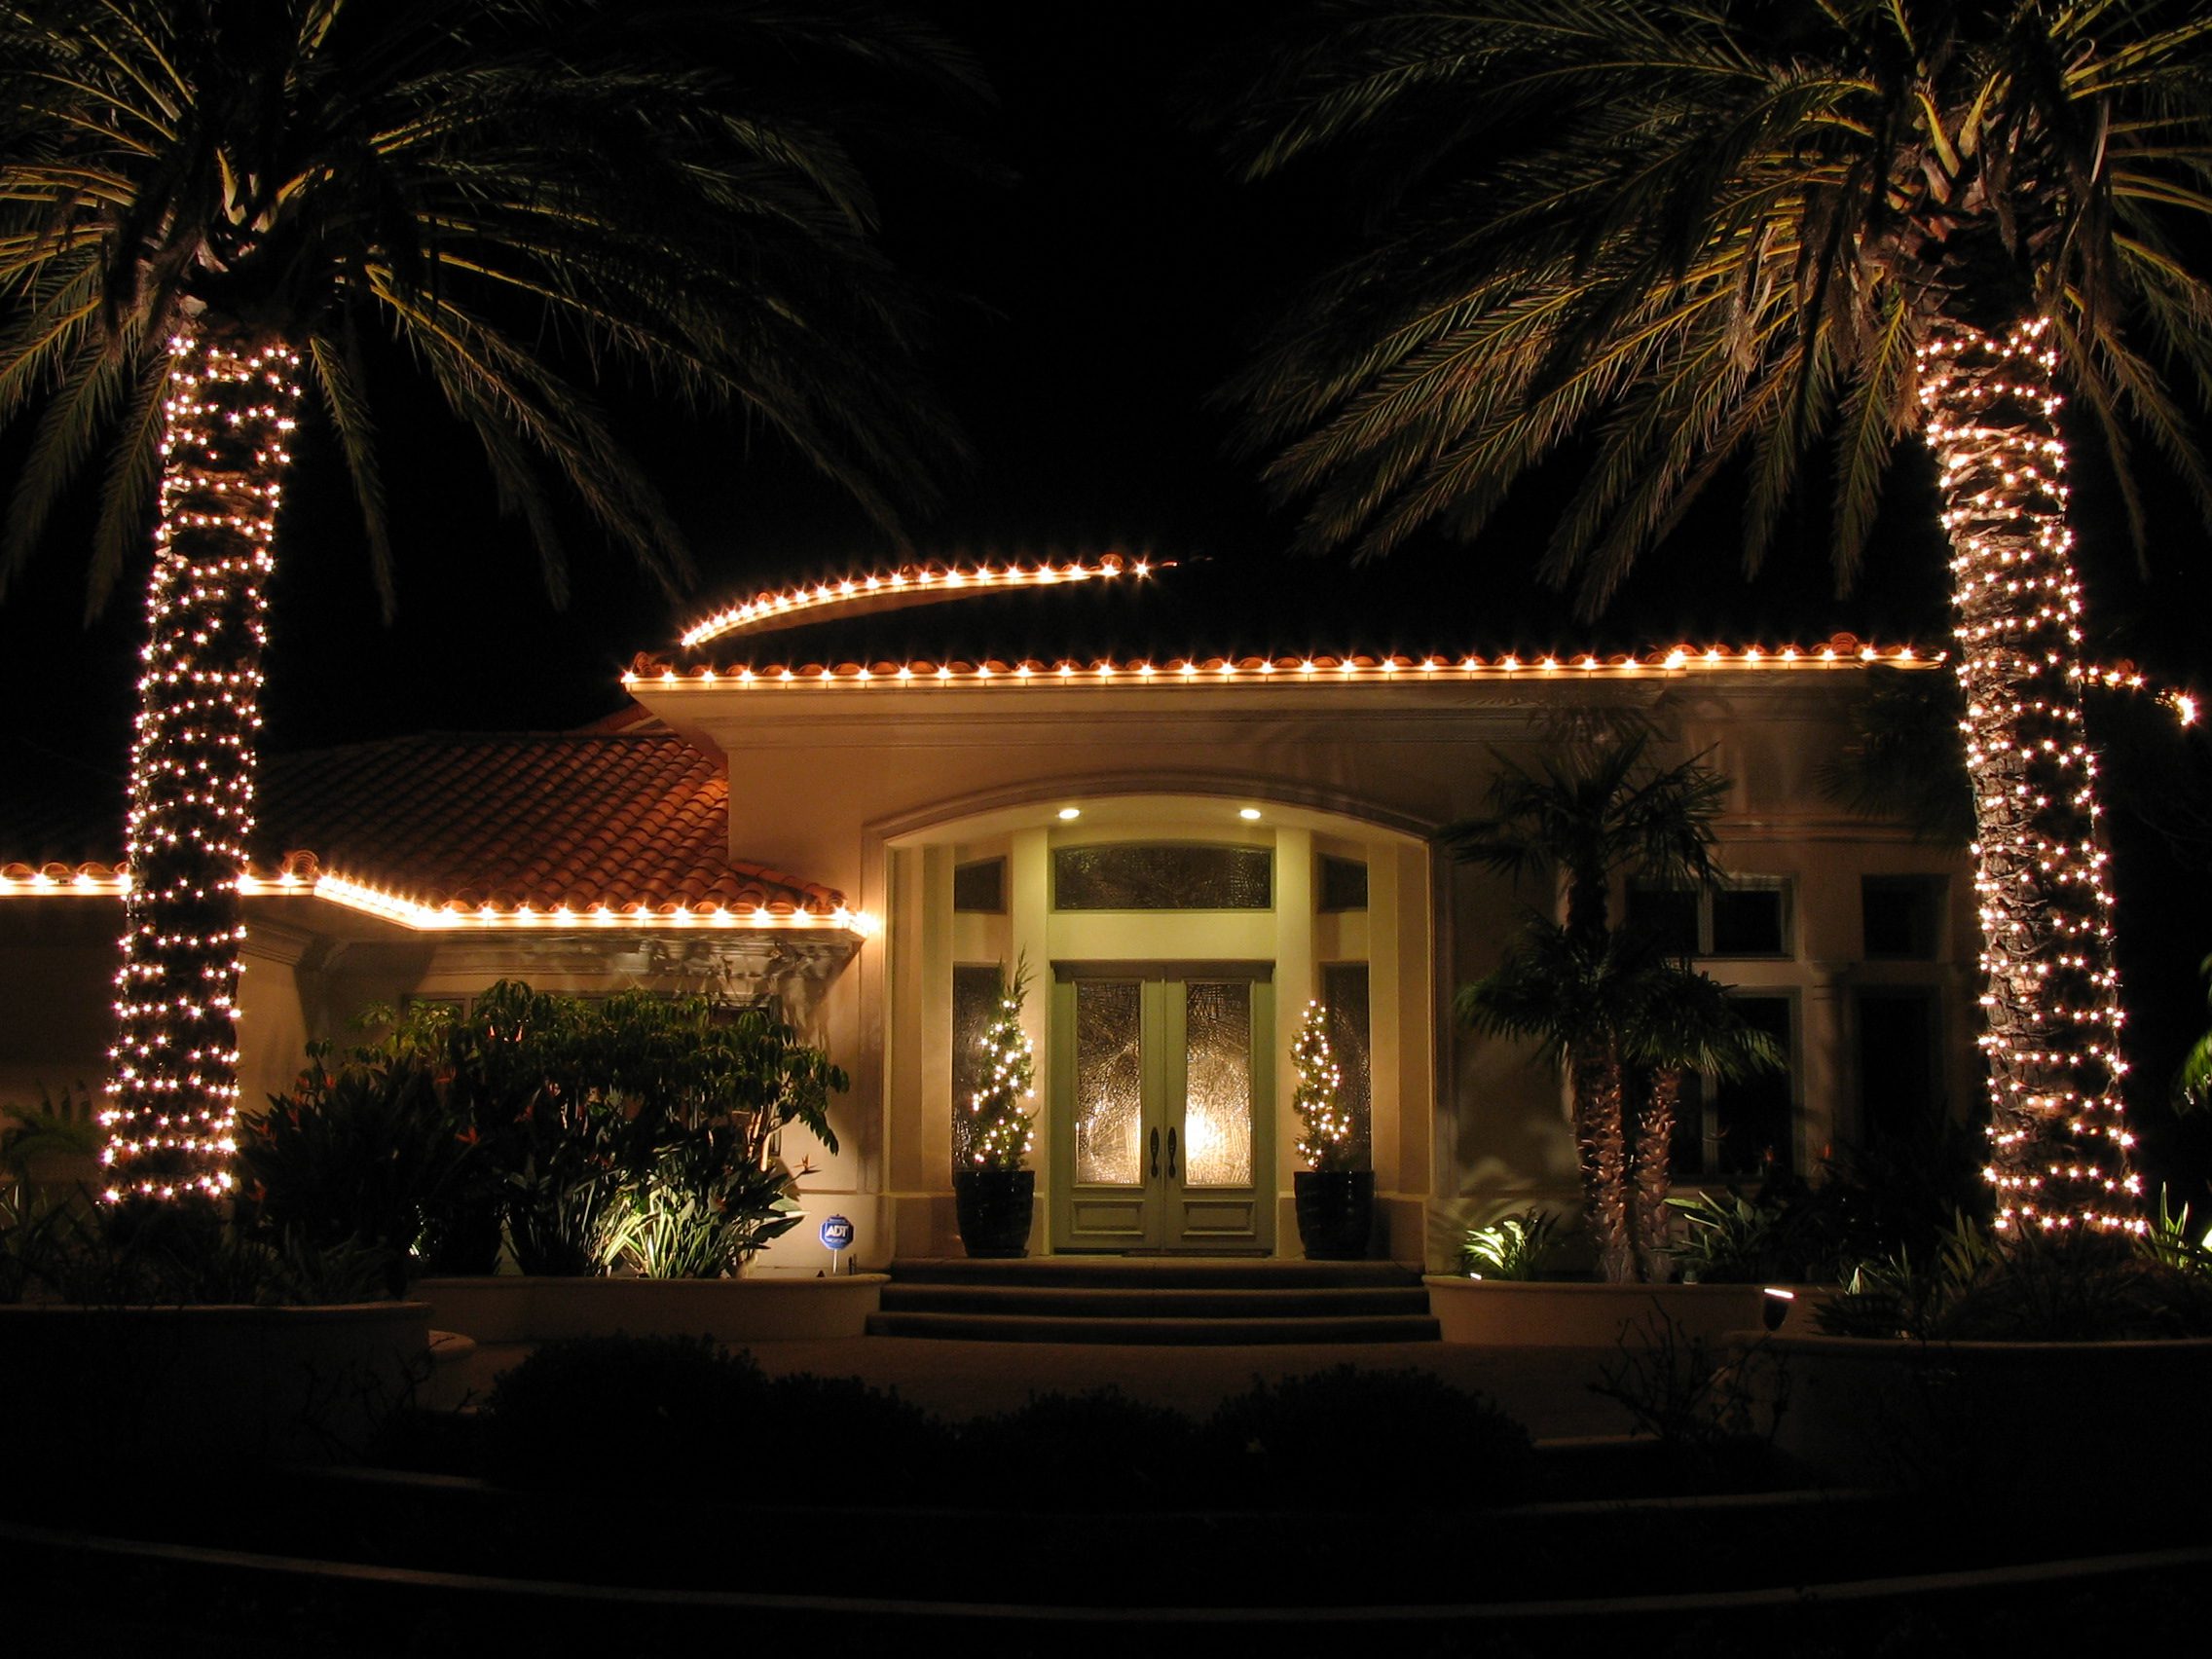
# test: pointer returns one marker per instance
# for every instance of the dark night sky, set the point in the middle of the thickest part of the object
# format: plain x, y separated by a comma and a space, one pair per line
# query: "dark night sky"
1094, 299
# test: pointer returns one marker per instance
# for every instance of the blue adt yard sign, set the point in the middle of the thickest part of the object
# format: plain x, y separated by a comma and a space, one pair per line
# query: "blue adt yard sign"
837, 1232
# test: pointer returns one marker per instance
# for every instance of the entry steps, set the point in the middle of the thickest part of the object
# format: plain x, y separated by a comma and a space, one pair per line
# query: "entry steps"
1166, 1301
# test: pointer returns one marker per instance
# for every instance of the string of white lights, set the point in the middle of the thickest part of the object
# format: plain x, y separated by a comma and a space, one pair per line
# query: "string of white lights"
171, 1106
2058, 1135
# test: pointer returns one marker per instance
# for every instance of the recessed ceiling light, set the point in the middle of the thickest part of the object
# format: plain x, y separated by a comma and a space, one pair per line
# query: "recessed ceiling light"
1071, 812
1247, 811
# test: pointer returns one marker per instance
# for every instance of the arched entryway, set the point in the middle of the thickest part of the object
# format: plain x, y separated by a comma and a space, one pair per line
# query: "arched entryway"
1172, 943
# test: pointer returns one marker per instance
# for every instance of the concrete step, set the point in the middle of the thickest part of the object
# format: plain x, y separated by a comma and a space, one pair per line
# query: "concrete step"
1143, 1302
1157, 1273
1156, 1332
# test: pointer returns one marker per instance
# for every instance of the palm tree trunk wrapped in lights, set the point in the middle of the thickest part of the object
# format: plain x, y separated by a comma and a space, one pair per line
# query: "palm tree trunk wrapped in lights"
1737, 234
2058, 1140
202, 205
173, 1096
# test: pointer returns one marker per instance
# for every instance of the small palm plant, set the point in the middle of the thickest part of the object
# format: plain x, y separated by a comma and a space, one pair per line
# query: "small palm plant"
1326, 1139
1515, 1247
994, 1197
1001, 1131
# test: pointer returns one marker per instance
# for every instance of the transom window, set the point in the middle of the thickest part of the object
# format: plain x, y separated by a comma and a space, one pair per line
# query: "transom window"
1901, 916
1742, 920
1136, 875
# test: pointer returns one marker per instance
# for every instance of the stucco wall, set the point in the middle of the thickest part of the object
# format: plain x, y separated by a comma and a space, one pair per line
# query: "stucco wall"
864, 776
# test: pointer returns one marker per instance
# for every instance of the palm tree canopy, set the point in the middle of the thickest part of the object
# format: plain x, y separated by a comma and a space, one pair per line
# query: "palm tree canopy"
1593, 813
1719, 230
1685, 1021
494, 185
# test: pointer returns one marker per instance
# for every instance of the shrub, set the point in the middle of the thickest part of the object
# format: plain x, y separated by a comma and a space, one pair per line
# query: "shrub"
1740, 1240
172, 1256
359, 1157
605, 1413
1352, 1439
2029, 1288
634, 1131
1059, 1447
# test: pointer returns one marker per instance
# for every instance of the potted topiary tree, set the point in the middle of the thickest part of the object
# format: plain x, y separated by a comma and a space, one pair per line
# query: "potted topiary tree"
993, 1195
1335, 1200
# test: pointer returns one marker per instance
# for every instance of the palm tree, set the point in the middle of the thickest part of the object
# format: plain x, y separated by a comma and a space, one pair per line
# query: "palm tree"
1682, 1022
1573, 994
204, 203
1583, 817
1718, 235
1589, 814
1628, 1024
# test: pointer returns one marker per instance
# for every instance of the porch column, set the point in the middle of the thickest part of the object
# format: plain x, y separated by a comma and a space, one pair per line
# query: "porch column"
1029, 915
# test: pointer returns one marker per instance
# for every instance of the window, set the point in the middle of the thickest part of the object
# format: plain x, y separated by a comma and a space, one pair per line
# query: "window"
1746, 1129
1136, 877
1343, 883
981, 886
1901, 917
1901, 1094
1746, 919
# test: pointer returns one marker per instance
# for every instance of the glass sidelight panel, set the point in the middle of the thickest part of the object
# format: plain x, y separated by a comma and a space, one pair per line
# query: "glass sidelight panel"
1217, 1061
1109, 1082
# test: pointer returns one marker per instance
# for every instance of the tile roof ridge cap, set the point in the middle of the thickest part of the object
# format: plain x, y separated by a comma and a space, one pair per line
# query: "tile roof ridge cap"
577, 736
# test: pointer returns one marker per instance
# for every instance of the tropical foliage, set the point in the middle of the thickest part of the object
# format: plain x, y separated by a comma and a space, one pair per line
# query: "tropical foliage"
1621, 1017
2042, 1289
205, 205
1588, 813
1717, 237
1513, 1247
634, 1132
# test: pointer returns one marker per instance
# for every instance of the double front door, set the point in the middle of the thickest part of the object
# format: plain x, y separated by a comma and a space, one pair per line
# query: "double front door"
1161, 1095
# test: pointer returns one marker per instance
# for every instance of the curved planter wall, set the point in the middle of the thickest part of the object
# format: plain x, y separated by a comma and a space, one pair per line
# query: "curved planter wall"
213, 1386
1514, 1314
1864, 1409
517, 1309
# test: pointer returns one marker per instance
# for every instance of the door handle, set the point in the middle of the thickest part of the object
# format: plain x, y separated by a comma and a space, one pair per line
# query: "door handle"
1155, 1151
1172, 1155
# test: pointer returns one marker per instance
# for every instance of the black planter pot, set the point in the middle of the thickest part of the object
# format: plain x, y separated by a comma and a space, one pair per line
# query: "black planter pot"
1336, 1213
994, 1206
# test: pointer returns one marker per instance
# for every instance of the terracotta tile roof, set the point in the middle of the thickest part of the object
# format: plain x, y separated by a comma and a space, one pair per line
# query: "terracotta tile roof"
635, 823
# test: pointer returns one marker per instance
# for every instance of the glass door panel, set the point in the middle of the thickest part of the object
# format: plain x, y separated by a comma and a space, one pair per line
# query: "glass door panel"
1109, 1082
1217, 1083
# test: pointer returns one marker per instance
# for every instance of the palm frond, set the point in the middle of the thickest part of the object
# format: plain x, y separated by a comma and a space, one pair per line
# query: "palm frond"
1705, 236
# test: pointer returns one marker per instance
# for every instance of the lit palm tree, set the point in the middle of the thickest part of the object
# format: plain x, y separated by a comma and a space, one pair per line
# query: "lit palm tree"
205, 202
1719, 234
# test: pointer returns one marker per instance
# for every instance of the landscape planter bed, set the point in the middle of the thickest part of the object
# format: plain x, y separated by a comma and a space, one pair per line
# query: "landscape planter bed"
516, 1308
1569, 1314
211, 1385
1991, 1415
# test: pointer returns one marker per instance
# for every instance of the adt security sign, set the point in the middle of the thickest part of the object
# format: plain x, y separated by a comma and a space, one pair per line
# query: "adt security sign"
837, 1232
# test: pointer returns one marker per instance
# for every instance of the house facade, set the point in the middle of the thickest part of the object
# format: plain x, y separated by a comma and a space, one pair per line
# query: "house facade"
1183, 853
